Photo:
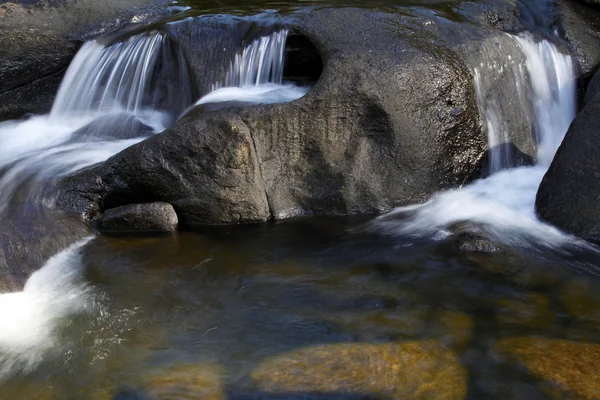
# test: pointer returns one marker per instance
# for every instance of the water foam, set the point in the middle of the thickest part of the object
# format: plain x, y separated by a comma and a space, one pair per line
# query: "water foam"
268, 93
30, 319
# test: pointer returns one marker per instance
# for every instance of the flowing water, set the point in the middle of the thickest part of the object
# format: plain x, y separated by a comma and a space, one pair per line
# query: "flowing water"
281, 310
504, 203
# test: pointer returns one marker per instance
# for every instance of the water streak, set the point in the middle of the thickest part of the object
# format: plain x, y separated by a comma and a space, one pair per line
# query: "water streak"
260, 62
105, 78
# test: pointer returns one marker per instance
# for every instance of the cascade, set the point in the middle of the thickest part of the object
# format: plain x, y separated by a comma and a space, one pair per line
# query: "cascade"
145, 71
258, 63
255, 75
503, 204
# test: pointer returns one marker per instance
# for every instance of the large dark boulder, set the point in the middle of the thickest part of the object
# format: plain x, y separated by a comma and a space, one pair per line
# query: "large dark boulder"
206, 168
392, 119
569, 194
580, 26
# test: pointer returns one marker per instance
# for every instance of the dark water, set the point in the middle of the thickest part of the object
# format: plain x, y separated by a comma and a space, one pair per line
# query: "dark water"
207, 315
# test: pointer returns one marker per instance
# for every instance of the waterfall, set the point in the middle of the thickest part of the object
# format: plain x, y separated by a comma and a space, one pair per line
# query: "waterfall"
144, 72
552, 79
105, 78
255, 75
503, 97
504, 203
259, 63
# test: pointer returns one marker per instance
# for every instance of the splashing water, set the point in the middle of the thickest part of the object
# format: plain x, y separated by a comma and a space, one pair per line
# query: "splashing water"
30, 319
504, 204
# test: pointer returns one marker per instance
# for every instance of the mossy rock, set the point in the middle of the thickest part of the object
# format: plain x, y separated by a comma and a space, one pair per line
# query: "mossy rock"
185, 382
568, 370
407, 371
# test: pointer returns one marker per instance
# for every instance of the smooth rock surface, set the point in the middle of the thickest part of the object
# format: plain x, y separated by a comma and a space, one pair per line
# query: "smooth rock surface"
151, 217
212, 176
392, 120
568, 195
568, 370
402, 371
580, 26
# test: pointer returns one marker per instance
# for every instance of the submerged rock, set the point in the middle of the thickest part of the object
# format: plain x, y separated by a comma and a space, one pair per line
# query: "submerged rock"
183, 382
568, 370
118, 126
151, 217
581, 298
392, 119
403, 371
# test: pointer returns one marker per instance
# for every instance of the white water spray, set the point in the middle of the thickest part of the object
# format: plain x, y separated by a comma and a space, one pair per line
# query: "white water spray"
504, 204
30, 320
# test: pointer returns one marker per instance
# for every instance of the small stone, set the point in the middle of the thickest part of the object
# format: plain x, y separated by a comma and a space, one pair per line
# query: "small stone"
150, 217
567, 369
406, 370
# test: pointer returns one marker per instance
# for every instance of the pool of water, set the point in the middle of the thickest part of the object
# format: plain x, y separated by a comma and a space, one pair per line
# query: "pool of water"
236, 312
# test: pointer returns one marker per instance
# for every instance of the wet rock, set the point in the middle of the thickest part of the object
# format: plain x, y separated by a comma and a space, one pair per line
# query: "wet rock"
592, 94
210, 176
568, 370
410, 370
568, 194
392, 120
581, 28
151, 217
474, 243
31, 68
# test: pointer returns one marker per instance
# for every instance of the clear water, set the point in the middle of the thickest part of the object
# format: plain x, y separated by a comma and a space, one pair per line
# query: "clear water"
218, 304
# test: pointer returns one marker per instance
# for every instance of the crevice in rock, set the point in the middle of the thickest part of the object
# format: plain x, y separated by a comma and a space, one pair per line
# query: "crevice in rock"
262, 179
303, 62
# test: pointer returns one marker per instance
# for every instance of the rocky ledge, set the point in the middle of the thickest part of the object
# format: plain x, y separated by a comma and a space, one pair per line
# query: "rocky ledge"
392, 119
